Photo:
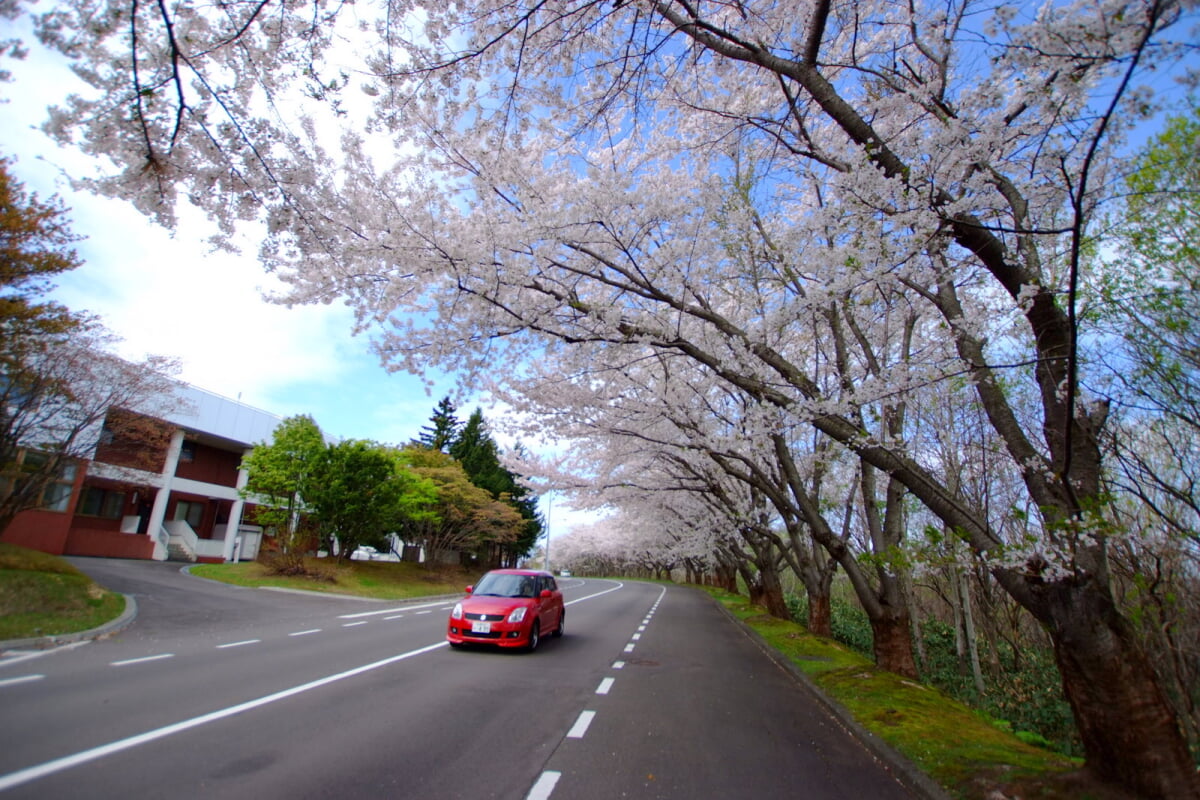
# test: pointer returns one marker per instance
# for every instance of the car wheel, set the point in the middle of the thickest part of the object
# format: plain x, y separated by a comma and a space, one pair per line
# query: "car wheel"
535, 636
562, 622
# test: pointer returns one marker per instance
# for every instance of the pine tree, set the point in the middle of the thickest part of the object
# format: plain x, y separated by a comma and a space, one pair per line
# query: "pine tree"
444, 428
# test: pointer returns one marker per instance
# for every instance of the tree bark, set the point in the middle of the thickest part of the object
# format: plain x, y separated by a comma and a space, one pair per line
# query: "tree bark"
1128, 727
893, 644
820, 614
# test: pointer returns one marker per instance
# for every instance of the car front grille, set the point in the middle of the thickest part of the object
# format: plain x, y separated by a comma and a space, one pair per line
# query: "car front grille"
485, 617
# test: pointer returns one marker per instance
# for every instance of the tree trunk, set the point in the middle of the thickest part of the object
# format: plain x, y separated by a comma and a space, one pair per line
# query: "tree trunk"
1128, 728
893, 644
820, 614
772, 592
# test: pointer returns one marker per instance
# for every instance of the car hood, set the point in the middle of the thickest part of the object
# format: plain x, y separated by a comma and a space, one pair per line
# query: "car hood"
478, 604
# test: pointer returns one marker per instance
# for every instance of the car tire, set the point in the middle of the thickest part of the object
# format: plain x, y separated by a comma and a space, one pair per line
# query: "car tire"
562, 622
535, 636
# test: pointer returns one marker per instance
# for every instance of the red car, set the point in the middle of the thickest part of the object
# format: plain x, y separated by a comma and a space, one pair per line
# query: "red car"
508, 608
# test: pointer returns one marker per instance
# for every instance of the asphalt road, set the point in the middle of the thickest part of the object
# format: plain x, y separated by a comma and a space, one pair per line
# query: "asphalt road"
217, 691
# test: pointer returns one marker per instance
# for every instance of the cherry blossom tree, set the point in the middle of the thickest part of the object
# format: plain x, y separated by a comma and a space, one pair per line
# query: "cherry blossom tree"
703, 181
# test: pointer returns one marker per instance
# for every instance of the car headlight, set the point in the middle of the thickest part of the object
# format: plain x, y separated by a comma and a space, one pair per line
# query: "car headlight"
517, 614
457, 612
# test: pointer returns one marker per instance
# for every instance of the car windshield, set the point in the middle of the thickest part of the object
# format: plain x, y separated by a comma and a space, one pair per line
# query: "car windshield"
497, 584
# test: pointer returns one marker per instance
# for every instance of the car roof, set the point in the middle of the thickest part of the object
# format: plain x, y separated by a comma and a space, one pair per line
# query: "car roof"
520, 572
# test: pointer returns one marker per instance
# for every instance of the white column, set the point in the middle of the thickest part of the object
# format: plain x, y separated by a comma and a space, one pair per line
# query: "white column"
235, 514
159, 511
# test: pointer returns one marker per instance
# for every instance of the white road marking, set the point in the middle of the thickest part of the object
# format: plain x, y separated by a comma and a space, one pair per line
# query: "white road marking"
305, 633
629, 648
394, 616
354, 624
238, 644
21, 679
618, 665
641, 627
392, 610
544, 786
636, 636
419, 613
577, 730
604, 686
158, 657
597, 594
59, 764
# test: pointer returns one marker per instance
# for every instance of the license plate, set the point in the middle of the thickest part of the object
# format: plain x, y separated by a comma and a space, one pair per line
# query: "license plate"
481, 627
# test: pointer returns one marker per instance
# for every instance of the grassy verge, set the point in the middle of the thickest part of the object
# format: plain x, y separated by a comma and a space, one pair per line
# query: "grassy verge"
968, 754
385, 580
43, 595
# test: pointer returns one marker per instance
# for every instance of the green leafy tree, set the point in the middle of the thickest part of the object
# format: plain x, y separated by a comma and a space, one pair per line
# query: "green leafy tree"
358, 494
279, 475
464, 517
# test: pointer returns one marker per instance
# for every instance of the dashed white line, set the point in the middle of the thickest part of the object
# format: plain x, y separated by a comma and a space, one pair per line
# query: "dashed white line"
641, 628
305, 633
629, 648
393, 610
636, 636
158, 657
21, 679
354, 624
618, 665
544, 786
419, 613
394, 616
581, 725
238, 644
604, 686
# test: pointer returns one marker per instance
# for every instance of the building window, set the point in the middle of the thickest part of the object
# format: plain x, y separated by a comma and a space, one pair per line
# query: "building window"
55, 495
190, 511
104, 503
187, 451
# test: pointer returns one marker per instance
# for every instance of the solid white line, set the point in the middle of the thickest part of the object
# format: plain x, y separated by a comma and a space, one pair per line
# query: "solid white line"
391, 610
629, 648
544, 786
305, 633
21, 679
618, 665
140, 660
604, 686
354, 624
577, 730
597, 594
238, 644
57, 765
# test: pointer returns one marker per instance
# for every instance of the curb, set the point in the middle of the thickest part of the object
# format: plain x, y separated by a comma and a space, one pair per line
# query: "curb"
907, 773
47, 642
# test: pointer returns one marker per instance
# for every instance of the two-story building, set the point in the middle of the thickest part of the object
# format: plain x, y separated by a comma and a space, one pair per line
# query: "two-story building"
179, 500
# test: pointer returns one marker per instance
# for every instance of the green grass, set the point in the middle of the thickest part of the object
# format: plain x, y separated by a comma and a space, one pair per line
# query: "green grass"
384, 580
958, 747
43, 595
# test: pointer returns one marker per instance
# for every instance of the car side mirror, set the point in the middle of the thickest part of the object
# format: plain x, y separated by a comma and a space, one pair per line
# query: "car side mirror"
546, 593
470, 588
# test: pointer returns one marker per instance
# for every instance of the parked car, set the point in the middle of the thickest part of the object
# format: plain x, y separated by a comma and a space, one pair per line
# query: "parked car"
508, 608
566, 573
364, 553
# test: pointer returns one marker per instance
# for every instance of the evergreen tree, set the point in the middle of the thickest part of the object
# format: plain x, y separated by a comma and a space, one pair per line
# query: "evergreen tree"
444, 427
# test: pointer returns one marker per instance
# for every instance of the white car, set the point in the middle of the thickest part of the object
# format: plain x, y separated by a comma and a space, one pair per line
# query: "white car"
566, 573
364, 553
